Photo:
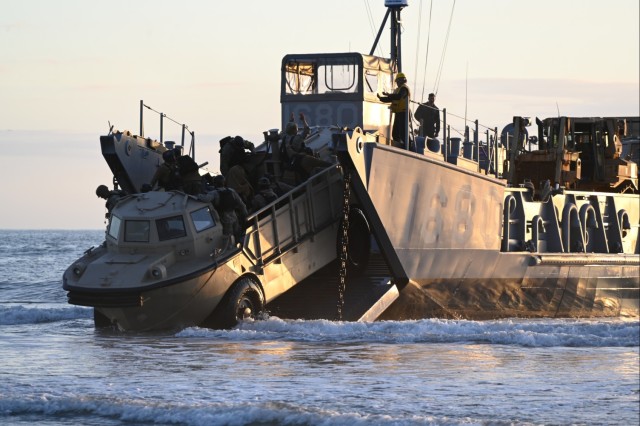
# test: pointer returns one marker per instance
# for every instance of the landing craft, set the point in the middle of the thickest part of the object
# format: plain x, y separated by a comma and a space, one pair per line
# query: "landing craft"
501, 230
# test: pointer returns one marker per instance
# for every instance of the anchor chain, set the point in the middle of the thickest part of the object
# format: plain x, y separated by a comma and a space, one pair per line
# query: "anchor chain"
344, 243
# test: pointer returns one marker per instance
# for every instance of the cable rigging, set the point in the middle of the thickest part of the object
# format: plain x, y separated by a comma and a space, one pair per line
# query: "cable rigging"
426, 57
444, 51
371, 23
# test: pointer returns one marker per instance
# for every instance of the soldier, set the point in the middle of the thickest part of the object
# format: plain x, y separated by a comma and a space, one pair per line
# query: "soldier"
429, 117
235, 165
112, 197
189, 172
167, 176
230, 207
233, 152
295, 155
265, 195
399, 100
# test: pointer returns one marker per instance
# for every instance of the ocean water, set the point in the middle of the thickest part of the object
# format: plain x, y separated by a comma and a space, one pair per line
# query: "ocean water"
56, 369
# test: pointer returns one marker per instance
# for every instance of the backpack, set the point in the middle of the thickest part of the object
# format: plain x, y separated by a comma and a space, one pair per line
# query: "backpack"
227, 202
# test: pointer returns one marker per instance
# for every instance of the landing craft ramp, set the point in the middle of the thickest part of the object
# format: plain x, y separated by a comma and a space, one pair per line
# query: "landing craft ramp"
291, 233
366, 296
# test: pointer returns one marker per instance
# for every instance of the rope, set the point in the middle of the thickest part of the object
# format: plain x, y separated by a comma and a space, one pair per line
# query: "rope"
415, 72
371, 23
444, 51
456, 116
426, 56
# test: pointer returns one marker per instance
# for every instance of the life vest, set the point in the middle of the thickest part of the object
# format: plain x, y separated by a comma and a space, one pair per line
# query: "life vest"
401, 105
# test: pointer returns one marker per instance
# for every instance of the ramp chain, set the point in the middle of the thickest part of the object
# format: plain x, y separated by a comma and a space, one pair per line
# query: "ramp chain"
344, 241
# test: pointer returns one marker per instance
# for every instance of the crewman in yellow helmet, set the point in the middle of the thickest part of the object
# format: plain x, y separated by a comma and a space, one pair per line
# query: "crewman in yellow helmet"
399, 100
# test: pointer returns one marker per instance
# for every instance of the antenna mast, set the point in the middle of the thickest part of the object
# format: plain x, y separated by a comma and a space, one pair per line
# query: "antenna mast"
394, 8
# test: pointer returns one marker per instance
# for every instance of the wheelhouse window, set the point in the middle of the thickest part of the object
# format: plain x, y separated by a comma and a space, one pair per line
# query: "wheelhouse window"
300, 78
170, 228
136, 231
202, 219
371, 81
322, 75
114, 226
337, 78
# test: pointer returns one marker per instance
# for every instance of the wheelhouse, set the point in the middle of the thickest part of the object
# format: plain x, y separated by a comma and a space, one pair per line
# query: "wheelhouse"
337, 89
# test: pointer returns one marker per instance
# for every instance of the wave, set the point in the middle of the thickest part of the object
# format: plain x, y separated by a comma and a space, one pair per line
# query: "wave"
18, 314
88, 410
527, 333
516, 332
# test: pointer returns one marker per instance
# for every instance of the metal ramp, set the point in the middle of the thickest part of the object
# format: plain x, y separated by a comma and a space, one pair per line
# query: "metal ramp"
316, 297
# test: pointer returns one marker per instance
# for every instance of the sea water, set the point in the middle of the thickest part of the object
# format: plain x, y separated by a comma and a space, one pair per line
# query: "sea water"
56, 369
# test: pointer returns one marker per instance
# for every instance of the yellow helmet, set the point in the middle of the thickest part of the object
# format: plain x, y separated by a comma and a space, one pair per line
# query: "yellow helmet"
400, 75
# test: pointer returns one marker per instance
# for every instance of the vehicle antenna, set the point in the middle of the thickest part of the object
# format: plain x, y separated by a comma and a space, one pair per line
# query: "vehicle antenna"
558, 108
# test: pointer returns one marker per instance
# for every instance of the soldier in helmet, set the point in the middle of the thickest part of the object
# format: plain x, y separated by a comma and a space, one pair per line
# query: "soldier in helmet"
230, 208
265, 195
112, 197
294, 154
399, 100
189, 172
235, 165
167, 176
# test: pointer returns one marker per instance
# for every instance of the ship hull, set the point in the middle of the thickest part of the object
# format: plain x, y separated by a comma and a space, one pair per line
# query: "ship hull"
463, 241
553, 291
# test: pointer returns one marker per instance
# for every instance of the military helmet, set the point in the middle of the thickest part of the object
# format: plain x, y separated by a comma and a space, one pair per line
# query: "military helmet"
219, 181
102, 191
292, 128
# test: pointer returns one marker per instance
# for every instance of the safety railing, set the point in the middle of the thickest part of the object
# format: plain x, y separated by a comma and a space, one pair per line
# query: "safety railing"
293, 218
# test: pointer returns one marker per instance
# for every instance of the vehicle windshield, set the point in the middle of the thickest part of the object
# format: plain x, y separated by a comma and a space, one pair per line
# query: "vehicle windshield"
114, 226
136, 231
202, 219
170, 228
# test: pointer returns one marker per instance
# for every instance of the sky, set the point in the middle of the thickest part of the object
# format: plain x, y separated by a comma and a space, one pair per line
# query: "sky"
70, 69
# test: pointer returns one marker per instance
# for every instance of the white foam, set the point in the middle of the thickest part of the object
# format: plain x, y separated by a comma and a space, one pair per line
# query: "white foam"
200, 413
19, 314
529, 333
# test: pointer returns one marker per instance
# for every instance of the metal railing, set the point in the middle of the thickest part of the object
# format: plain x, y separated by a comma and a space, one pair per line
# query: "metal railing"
293, 218
163, 116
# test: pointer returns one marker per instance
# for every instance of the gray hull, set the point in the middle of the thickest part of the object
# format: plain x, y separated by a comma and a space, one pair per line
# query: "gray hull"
445, 231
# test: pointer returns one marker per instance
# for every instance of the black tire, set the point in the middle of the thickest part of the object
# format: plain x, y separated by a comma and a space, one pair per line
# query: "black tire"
243, 300
100, 320
359, 248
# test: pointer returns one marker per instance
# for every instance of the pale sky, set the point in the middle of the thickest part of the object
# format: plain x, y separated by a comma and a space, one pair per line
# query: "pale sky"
67, 68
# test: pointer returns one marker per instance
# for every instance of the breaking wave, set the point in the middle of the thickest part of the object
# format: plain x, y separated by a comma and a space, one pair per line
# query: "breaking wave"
20, 314
115, 411
527, 333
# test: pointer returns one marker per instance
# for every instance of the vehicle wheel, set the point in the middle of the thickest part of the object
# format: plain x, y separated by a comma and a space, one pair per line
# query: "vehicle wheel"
100, 320
243, 300
359, 248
